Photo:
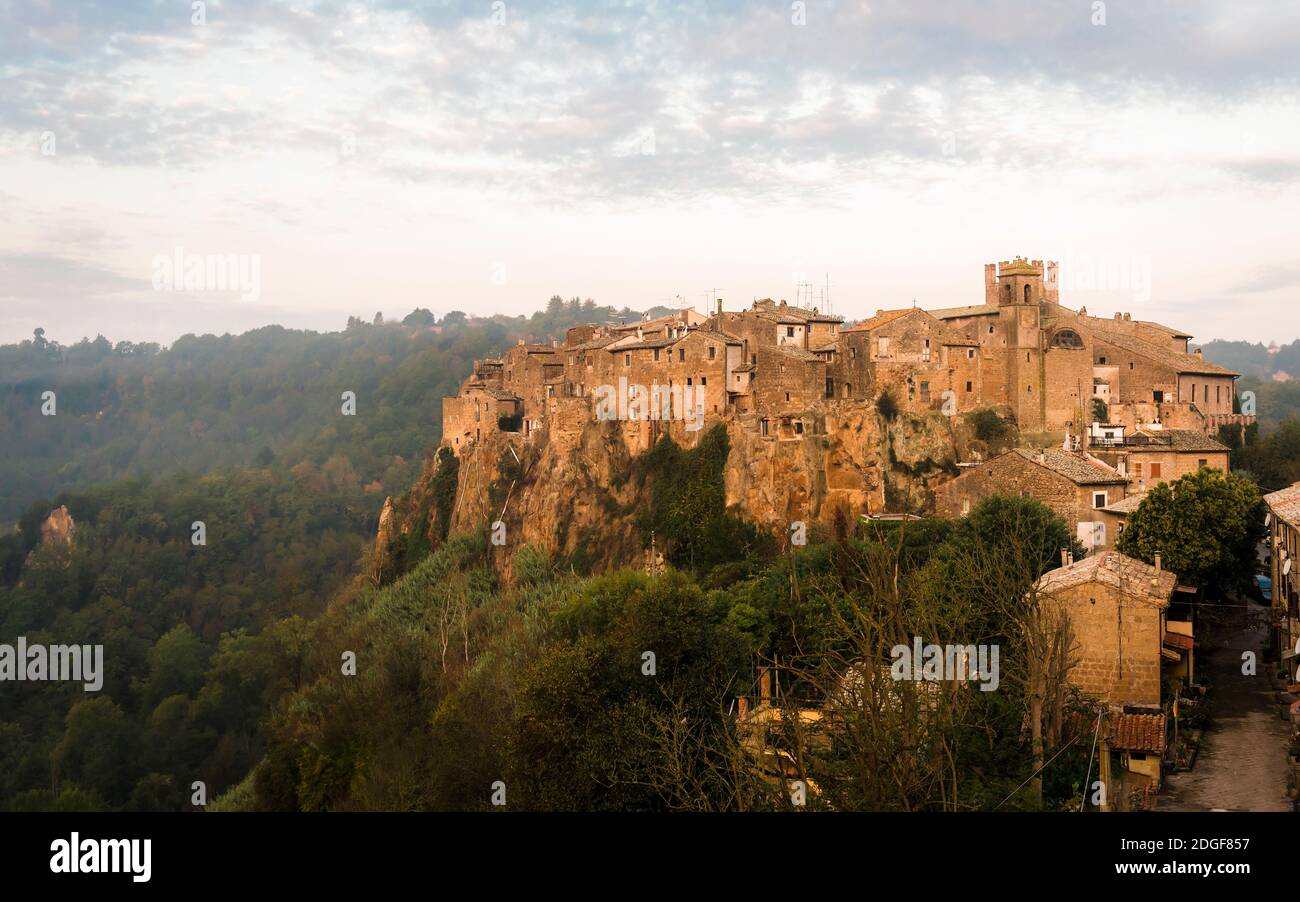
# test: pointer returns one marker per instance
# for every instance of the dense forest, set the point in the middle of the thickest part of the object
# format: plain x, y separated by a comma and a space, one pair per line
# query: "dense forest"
276, 664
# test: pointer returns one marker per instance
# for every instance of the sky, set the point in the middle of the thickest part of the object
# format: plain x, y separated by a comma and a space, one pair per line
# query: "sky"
169, 167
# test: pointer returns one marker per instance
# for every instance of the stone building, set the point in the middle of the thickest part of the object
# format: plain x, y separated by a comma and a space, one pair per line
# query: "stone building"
1152, 455
1283, 546
1076, 487
1116, 607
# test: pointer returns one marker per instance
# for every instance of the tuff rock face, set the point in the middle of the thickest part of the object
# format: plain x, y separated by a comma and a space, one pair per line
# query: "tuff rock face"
568, 487
58, 526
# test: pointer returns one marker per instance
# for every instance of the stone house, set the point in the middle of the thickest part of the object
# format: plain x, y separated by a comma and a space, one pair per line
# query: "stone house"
1074, 485
1283, 546
1116, 607
1151, 455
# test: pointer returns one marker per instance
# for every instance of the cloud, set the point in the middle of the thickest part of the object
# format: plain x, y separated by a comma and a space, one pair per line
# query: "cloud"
48, 277
1270, 278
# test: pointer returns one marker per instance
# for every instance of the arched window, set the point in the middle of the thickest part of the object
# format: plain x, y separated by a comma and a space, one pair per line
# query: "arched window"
1026, 294
1006, 292
1067, 338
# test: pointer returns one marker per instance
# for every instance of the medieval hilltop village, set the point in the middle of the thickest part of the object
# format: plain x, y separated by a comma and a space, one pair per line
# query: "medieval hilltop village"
878, 419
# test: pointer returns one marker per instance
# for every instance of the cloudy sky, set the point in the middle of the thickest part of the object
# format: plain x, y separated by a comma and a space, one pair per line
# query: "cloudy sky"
481, 156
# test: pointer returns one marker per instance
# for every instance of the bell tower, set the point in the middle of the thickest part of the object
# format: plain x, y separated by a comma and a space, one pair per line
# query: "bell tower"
1020, 296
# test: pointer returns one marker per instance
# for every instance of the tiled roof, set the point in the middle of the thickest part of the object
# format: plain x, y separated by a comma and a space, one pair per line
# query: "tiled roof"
768, 308
1184, 440
1175, 360
1138, 733
596, 343
643, 345
1019, 267
1127, 505
881, 318
1285, 504
971, 310
1077, 468
1131, 576
798, 353
1178, 640
501, 394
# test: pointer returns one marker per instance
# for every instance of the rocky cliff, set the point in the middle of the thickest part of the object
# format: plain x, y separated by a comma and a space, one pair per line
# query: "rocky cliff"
571, 489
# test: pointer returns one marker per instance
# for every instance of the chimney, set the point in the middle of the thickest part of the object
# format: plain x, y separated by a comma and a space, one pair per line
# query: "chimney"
719, 306
1064, 555
743, 710
1127, 317
1069, 555
765, 686
1197, 352
639, 334
1158, 569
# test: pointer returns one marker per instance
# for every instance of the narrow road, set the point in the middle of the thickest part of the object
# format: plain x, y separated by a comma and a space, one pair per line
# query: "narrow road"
1242, 763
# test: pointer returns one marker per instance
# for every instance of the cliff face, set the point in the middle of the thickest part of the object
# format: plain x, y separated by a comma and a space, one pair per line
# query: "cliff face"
568, 488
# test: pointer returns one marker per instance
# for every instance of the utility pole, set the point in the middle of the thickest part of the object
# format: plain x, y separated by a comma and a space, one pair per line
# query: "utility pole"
1105, 762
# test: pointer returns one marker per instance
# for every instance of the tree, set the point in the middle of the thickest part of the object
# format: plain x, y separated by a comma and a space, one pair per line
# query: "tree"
420, 316
1205, 526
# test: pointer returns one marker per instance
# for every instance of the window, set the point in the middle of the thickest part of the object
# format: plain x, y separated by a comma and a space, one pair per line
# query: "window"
704, 380
656, 355
1203, 462
681, 355
789, 331
1098, 499
853, 353
1137, 469
969, 386
550, 391
627, 360
1101, 360
688, 380
882, 347
1006, 292
1067, 338
925, 391
925, 351
764, 425
1130, 364
1159, 396
830, 387
965, 506
713, 352
798, 427
1155, 471
970, 353
1026, 294
990, 330
1029, 389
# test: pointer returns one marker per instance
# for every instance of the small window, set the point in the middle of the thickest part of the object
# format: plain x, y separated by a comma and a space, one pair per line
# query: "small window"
1155, 471
789, 331
970, 353
853, 353
764, 427
627, 360
1137, 469
970, 386
1203, 462
1026, 294
704, 380
798, 427
1101, 361
965, 506
713, 352
882, 346
925, 391
787, 396
1029, 389
681, 354
990, 330
1098, 499
1130, 364
656, 355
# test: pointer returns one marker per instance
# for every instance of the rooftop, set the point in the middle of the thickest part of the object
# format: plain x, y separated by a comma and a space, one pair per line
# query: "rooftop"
1131, 576
1285, 504
1175, 360
1075, 467
1139, 733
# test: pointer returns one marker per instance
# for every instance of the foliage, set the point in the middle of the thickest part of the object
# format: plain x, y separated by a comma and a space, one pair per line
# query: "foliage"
1205, 526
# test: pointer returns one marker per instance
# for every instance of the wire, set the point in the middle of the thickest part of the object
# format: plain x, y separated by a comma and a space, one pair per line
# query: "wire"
1084, 794
1039, 771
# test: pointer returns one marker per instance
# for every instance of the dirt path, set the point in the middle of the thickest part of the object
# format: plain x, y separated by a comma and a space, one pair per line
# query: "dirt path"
1242, 762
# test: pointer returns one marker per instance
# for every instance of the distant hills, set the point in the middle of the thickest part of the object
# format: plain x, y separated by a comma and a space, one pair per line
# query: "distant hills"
1255, 360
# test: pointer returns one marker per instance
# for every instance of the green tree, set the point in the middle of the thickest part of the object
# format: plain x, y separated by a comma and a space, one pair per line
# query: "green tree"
1205, 526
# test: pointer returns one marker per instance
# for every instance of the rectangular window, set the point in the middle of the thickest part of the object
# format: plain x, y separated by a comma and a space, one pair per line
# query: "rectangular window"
1137, 469
681, 355
925, 391
789, 331
830, 388
798, 427
713, 352
882, 347
969, 386
1203, 462
704, 380
627, 360
970, 353
1098, 499
656, 355
925, 351
764, 425
853, 353
1155, 471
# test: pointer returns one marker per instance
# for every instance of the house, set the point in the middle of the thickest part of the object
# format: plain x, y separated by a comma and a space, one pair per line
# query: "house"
1283, 545
1151, 454
1076, 486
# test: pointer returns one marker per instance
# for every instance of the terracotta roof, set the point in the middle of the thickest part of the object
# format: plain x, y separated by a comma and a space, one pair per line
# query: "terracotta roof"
1178, 640
596, 343
769, 309
1131, 576
798, 353
1138, 733
1077, 468
1175, 360
971, 310
1127, 505
1183, 440
643, 345
882, 317
1285, 504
